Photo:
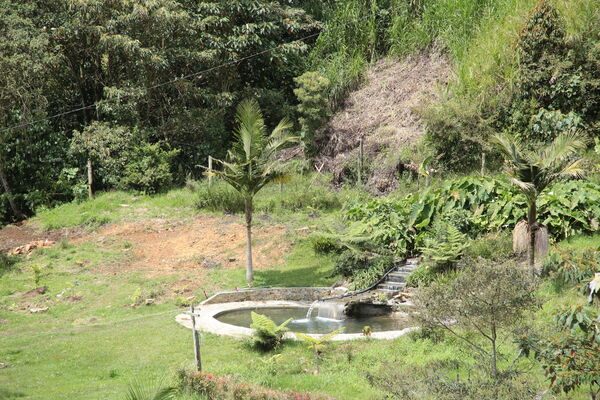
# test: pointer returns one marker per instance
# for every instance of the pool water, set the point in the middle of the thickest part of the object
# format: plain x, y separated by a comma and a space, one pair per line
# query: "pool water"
315, 324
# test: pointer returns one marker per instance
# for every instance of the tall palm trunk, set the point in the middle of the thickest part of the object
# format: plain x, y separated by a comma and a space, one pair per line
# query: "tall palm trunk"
531, 221
90, 176
249, 266
11, 201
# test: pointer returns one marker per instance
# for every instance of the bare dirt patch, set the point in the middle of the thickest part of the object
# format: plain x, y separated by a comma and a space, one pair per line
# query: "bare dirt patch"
385, 112
164, 248
13, 237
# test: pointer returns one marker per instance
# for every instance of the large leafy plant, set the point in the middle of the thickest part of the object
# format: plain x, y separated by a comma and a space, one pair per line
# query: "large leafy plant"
401, 225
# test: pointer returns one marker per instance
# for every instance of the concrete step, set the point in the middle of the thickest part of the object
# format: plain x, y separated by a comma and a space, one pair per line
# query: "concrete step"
391, 286
396, 277
405, 269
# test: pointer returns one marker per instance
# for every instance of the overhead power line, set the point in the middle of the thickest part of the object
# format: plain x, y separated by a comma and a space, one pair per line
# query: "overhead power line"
191, 75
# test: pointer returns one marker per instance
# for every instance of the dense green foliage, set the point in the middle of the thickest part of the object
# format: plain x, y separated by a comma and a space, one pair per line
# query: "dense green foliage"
131, 70
485, 204
546, 84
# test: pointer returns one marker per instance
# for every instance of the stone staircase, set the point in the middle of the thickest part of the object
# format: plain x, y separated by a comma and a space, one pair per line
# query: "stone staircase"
395, 281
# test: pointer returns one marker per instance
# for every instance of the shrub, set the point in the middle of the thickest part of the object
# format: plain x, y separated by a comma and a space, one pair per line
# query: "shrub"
400, 226
148, 168
349, 262
546, 125
494, 245
7, 263
485, 299
322, 244
314, 106
571, 267
571, 354
267, 334
363, 269
442, 250
423, 275
214, 387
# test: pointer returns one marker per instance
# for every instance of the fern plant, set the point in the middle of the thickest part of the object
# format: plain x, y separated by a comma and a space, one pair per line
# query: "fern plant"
267, 334
443, 250
318, 345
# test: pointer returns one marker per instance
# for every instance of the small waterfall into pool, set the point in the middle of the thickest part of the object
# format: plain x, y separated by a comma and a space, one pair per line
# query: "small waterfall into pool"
310, 309
331, 311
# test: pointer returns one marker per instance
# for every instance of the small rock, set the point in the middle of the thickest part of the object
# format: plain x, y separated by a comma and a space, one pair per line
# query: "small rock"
208, 263
232, 259
190, 298
74, 298
3, 365
303, 229
38, 309
338, 291
149, 302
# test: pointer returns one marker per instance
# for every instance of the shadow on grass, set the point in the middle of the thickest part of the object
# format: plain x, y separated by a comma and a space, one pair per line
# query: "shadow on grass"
7, 394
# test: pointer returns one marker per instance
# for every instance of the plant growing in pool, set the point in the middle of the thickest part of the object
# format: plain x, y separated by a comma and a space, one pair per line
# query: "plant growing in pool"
267, 334
251, 163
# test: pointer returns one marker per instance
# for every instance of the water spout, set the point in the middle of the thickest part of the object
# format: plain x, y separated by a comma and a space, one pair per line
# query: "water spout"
310, 309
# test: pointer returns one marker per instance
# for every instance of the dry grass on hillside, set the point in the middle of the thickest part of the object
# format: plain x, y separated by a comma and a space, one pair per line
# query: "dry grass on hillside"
384, 112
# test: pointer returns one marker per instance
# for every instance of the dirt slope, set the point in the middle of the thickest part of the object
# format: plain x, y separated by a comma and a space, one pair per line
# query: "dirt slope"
162, 247
383, 111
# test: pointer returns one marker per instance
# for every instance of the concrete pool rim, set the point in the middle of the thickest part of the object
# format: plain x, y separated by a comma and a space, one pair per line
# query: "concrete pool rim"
207, 312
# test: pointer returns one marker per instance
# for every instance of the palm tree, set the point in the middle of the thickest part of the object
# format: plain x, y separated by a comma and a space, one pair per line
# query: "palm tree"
250, 163
533, 171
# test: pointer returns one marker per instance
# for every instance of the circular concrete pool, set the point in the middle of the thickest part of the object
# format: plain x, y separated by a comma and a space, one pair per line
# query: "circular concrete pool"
318, 322
234, 319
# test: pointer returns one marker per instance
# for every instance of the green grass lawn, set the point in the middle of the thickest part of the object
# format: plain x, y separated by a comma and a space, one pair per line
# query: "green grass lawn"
92, 343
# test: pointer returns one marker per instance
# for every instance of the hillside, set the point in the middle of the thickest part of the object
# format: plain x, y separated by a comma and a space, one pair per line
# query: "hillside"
384, 112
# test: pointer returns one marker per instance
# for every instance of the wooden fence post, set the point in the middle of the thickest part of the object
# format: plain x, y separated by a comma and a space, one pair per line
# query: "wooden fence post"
483, 163
360, 159
210, 159
196, 341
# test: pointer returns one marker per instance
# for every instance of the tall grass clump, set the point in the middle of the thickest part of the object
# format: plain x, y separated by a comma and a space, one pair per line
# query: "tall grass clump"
298, 193
218, 196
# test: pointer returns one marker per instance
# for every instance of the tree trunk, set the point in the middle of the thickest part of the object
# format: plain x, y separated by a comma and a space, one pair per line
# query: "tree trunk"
494, 354
531, 221
90, 177
249, 266
11, 201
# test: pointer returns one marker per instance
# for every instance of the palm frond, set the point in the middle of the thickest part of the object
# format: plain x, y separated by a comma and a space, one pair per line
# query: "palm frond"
573, 169
511, 148
308, 339
560, 149
147, 389
330, 335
